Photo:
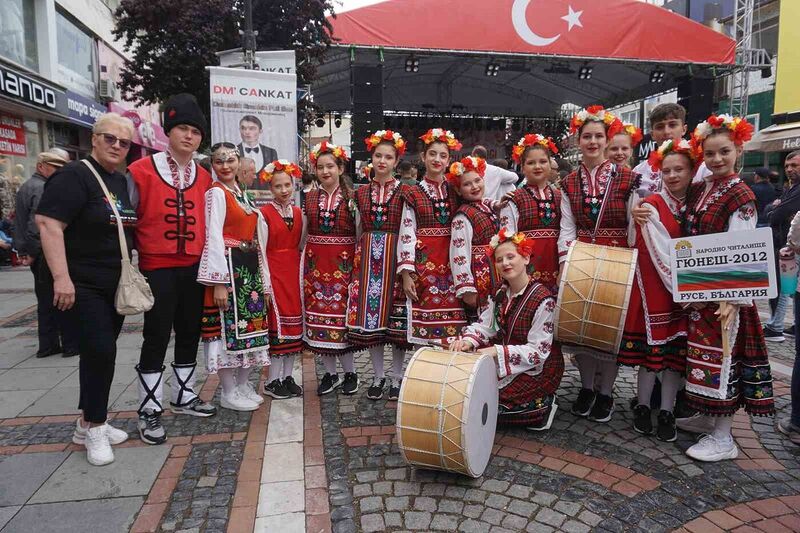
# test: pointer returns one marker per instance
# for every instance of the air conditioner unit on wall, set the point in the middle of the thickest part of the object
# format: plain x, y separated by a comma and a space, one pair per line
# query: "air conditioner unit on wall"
108, 90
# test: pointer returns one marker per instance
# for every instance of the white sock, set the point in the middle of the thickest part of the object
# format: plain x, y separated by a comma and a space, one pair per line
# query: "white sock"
329, 362
670, 384
646, 381
722, 428
376, 354
608, 375
227, 377
587, 365
243, 375
398, 357
348, 362
288, 366
275, 366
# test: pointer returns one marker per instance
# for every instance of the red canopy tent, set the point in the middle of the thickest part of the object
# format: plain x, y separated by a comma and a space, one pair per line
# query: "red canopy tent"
538, 45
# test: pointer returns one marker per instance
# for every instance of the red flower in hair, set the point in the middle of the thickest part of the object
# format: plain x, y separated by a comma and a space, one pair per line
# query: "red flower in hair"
614, 128
594, 109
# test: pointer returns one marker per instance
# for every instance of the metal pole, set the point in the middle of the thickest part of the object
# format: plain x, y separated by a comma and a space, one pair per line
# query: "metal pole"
249, 36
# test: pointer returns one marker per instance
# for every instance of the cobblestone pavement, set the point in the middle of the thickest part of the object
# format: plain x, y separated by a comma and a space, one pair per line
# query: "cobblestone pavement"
340, 470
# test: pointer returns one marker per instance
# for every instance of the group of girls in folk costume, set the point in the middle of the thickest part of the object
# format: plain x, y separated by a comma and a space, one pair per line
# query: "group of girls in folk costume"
474, 225
596, 203
330, 246
718, 384
285, 223
516, 328
235, 323
375, 312
535, 208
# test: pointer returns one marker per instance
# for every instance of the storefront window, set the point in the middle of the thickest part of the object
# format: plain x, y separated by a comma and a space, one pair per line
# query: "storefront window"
20, 144
18, 32
76, 56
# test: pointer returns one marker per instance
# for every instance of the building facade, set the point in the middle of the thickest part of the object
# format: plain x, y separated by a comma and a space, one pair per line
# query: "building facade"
59, 69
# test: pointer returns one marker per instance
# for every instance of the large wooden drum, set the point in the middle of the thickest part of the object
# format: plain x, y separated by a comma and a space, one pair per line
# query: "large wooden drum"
447, 411
593, 295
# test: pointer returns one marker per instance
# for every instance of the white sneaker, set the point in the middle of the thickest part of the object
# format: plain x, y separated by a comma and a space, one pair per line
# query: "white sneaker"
235, 401
248, 391
98, 449
711, 449
115, 436
696, 424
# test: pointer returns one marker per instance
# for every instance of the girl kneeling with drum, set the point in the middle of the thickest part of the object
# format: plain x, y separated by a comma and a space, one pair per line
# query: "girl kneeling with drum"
519, 319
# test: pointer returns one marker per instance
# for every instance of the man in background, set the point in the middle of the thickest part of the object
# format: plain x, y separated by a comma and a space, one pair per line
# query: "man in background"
57, 329
765, 193
250, 129
407, 172
498, 181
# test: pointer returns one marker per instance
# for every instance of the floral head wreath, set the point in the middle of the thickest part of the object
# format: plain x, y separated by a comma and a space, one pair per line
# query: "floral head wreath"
442, 136
532, 139
673, 146
327, 148
524, 244
279, 165
634, 132
468, 164
596, 113
386, 136
741, 131
367, 170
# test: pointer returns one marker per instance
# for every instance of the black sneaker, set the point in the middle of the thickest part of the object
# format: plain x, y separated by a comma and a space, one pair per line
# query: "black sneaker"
150, 429
375, 391
47, 352
666, 431
69, 354
682, 409
602, 409
194, 407
291, 387
642, 420
394, 391
583, 404
772, 335
277, 390
350, 385
328, 383
789, 331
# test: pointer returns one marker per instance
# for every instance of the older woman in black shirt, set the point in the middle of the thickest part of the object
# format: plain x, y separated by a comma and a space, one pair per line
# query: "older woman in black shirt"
81, 244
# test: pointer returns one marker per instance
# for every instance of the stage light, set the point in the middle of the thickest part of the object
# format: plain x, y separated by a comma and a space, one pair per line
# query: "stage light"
320, 121
657, 76
412, 64
585, 73
492, 69
337, 120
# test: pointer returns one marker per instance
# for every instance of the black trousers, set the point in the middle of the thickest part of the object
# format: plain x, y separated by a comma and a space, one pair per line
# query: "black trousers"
99, 328
56, 328
179, 306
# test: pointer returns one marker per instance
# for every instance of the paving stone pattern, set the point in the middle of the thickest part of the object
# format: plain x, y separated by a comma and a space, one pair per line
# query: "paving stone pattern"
371, 488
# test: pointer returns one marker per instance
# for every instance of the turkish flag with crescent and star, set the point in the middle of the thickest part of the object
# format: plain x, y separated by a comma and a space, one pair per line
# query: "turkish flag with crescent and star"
617, 29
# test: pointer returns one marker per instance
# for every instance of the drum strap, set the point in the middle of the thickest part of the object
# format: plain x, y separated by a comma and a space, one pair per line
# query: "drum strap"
605, 198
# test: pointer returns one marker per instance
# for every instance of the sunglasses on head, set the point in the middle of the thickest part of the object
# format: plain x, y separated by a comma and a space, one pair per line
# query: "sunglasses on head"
111, 140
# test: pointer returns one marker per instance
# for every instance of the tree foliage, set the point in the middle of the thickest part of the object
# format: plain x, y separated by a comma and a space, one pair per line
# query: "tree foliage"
170, 42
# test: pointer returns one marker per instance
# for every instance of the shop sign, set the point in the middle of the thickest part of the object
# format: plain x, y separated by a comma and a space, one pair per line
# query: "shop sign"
12, 136
82, 110
19, 87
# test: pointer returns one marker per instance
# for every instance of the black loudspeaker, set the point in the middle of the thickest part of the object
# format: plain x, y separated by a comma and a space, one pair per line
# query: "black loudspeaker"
366, 82
697, 96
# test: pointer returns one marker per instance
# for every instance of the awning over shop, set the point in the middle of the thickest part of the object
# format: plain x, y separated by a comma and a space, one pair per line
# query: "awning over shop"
776, 138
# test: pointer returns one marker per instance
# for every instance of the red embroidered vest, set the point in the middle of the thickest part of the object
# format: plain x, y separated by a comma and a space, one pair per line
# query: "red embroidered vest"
621, 183
344, 224
485, 225
392, 211
533, 212
713, 218
171, 221
521, 311
418, 200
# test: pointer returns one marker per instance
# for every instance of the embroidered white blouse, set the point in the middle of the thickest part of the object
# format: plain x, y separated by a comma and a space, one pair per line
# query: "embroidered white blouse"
407, 243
